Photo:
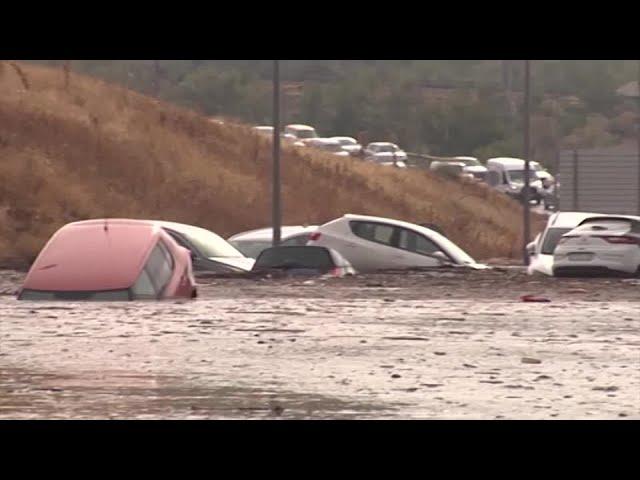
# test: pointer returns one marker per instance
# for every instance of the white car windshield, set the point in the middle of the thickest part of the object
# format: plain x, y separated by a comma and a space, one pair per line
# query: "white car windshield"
208, 243
306, 134
252, 248
455, 251
385, 148
469, 162
331, 147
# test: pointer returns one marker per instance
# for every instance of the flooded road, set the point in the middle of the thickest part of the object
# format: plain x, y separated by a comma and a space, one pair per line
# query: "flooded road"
426, 346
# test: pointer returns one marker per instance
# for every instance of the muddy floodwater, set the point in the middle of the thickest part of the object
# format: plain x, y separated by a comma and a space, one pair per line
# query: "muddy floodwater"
423, 345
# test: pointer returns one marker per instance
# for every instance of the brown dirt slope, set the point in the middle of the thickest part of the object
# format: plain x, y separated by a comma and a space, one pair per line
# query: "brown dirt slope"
76, 148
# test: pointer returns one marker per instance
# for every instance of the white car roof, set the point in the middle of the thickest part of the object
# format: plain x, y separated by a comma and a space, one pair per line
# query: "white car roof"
325, 141
343, 138
569, 219
263, 127
267, 233
466, 158
391, 221
507, 162
296, 126
383, 143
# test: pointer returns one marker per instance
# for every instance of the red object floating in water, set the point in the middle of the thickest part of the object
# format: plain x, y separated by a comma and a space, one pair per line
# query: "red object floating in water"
533, 298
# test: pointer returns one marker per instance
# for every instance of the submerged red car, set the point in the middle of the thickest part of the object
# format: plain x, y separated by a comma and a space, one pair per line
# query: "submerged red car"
110, 259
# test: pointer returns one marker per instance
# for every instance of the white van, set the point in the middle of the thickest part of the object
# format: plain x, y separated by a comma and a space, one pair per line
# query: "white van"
507, 175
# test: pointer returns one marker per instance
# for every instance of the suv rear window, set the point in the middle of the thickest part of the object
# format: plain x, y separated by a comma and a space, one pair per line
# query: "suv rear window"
316, 258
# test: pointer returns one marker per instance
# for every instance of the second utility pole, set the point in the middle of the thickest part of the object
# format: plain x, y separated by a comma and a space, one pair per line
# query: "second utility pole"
526, 150
276, 218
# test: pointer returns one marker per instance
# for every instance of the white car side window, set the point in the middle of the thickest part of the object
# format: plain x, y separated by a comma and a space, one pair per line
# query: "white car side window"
373, 232
414, 242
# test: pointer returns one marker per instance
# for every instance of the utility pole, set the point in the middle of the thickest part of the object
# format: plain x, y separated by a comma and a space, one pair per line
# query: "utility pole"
276, 221
526, 151
638, 135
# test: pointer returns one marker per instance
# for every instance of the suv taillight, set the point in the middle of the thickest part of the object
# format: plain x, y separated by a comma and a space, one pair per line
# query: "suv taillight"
624, 240
314, 236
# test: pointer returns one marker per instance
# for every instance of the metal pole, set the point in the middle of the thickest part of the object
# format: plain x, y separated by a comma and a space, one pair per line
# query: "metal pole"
638, 135
575, 181
526, 151
276, 220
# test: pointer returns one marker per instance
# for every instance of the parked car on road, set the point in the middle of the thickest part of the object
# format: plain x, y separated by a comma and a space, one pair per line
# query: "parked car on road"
349, 145
602, 245
448, 169
328, 145
110, 259
209, 251
301, 132
303, 260
507, 175
542, 248
264, 130
473, 167
267, 132
384, 152
253, 242
375, 243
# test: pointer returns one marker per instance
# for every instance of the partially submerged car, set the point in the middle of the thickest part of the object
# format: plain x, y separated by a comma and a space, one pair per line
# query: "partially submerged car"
604, 245
542, 248
375, 243
110, 260
209, 252
303, 261
253, 242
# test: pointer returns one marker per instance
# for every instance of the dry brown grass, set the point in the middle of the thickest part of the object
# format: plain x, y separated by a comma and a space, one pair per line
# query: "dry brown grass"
82, 148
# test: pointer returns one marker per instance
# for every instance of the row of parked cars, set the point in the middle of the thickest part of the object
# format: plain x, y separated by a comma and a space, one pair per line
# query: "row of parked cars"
506, 175
503, 173
587, 244
126, 259
383, 153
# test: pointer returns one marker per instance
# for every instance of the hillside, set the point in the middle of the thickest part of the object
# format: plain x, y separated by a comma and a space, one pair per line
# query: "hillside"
73, 147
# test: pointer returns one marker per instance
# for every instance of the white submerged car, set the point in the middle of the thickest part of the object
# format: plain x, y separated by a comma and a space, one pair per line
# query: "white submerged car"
253, 242
542, 248
602, 245
209, 251
375, 243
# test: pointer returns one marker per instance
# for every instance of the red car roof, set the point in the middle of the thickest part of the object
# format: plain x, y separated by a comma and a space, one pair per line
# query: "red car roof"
93, 255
